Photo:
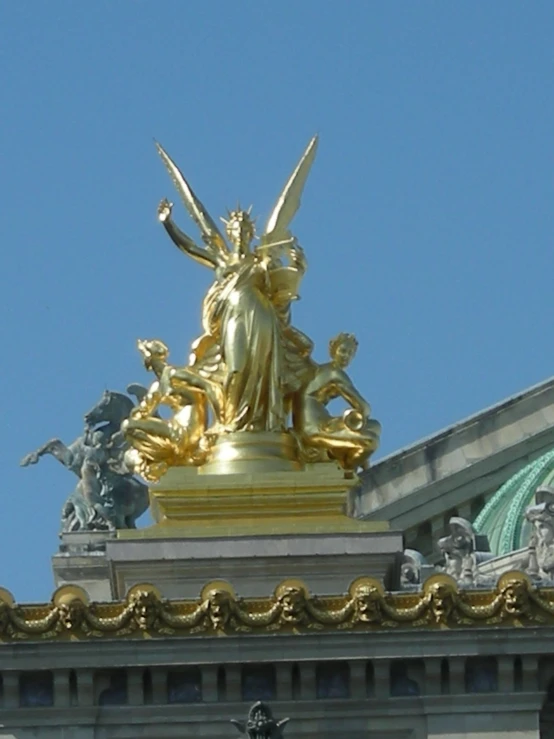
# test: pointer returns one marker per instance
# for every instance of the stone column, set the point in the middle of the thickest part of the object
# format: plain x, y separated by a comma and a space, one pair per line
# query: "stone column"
209, 683
433, 677
505, 674
234, 685
283, 673
308, 688
10, 681
61, 689
457, 667
358, 688
85, 687
159, 686
530, 673
381, 678
135, 693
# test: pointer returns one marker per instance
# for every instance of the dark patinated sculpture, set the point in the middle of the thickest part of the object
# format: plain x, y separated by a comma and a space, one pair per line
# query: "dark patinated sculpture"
260, 723
107, 495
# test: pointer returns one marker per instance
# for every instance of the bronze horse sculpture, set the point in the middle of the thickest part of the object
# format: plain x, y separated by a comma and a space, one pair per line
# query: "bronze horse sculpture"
107, 495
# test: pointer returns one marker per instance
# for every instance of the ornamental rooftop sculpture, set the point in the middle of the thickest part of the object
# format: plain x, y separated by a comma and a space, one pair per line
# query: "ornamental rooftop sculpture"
107, 496
292, 609
260, 723
541, 540
251, 399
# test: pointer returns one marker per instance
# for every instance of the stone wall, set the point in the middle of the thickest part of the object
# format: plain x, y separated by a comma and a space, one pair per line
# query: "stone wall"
332, 685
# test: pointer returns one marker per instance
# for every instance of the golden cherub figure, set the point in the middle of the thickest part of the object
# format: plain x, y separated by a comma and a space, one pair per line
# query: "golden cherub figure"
157, 443
350, 438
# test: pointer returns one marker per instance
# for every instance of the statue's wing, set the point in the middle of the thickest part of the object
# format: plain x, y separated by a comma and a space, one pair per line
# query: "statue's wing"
289, 200
211, 235
241, 725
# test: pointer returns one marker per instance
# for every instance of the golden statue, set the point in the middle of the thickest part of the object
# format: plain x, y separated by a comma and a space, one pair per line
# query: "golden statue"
156, 443
250, 368
350, 438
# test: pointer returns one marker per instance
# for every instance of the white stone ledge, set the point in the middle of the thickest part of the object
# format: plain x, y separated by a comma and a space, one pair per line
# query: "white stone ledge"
521, 426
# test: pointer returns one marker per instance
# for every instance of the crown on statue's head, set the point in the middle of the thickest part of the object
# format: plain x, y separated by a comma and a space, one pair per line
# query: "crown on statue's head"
239, 225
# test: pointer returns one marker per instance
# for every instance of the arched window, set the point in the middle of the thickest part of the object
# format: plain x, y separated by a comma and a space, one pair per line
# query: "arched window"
332, 680
36, 689
258, 682
481, 675
184, 686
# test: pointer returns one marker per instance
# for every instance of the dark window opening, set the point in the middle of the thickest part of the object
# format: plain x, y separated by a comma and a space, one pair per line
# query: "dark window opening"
258, 682
184, 686
369, 680
116, 692
445, 677
481, 675
333, 680
36, 689
221, 684
73, 689
401, 684
295, 683
518, 674
147, 688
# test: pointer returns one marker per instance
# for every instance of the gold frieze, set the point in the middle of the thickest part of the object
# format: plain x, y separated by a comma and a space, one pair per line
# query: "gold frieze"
515, 602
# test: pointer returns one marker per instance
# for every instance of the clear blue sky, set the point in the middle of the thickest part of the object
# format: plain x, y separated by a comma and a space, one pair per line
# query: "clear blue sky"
428, 221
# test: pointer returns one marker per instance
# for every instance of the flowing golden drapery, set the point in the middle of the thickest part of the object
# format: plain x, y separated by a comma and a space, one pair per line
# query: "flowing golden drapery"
239, 315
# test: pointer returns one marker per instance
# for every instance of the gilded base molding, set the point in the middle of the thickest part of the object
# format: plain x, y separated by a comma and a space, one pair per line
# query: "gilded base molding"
188, 502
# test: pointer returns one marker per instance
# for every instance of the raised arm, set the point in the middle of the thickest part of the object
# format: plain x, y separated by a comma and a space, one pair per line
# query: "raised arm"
216, 247
183, 242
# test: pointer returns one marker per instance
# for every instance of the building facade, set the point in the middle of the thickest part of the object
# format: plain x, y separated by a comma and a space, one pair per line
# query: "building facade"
410, 600
152, 635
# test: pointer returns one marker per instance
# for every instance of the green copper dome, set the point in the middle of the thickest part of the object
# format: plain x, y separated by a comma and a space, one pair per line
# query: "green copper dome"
502, 518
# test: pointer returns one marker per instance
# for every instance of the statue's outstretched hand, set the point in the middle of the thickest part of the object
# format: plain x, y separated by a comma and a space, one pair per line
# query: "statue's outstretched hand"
164, 210
28, 459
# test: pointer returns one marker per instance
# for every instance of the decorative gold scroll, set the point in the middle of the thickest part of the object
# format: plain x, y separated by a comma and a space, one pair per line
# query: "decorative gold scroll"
515, 602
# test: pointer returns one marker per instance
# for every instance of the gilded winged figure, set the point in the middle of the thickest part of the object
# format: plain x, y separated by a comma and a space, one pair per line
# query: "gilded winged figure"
250, 366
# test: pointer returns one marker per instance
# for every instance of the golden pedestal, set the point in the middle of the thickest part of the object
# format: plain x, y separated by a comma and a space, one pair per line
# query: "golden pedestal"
253, 452
189, 503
